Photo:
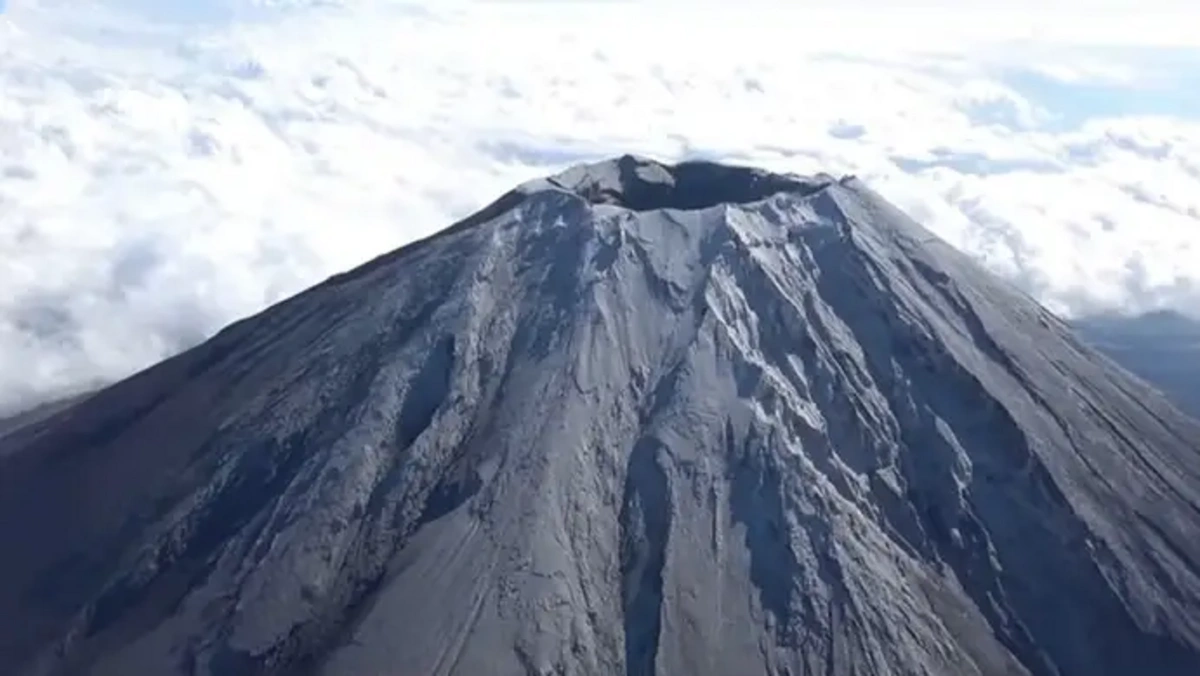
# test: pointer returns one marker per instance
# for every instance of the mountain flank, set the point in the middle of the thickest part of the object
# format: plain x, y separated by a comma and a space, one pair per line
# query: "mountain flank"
636, 419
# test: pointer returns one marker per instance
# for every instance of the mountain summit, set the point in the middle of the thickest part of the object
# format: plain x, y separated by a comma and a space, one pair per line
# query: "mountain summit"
631, 420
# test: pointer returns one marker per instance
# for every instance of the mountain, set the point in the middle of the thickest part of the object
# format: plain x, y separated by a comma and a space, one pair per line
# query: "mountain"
1162, 347
33, 414
635, 419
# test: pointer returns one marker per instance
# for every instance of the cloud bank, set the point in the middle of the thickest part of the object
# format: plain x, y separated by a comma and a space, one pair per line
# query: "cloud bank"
166, 168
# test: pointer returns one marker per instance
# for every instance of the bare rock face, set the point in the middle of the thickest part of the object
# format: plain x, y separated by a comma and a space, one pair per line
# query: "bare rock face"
631, 420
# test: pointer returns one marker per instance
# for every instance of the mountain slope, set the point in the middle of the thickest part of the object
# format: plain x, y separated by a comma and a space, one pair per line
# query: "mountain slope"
31, 415
633, 419
1161, 347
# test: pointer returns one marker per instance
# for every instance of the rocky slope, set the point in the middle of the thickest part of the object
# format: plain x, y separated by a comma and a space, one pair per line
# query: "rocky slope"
1162, 347
631, 420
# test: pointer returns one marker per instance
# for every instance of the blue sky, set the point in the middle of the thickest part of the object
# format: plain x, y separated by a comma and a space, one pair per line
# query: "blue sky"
1172, 88
180, 165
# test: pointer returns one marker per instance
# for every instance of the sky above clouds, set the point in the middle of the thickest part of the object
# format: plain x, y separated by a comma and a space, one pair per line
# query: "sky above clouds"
168, 167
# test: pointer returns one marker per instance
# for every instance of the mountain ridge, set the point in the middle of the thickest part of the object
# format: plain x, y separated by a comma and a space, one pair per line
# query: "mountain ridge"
794, 433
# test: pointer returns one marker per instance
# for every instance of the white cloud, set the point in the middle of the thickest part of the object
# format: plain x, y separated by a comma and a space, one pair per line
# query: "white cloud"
166, 168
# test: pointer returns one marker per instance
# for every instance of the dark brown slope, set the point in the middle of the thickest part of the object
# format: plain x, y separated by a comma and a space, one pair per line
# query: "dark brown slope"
638, 420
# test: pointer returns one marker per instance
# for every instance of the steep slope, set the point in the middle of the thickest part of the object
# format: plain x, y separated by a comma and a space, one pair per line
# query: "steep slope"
1162, 347
40, 411
632, 420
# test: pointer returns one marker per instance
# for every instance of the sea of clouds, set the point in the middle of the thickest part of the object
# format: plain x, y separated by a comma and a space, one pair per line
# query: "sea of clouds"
168, 167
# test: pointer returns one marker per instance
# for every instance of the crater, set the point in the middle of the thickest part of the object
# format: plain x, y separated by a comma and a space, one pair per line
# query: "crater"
641, 184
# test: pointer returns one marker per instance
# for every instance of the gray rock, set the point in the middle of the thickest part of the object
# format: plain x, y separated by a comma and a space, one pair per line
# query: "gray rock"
632, 420
1162, 347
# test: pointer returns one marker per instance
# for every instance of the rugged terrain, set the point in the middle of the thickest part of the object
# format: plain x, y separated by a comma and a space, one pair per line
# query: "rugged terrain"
631, 420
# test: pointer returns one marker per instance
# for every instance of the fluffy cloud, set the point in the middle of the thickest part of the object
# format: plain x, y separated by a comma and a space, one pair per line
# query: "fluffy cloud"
166, 168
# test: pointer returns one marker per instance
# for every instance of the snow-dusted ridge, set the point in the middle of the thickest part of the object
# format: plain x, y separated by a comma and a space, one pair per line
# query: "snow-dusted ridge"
635, 419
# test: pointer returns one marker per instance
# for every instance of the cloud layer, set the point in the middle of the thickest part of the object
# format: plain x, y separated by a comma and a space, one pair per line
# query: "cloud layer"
166, 168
